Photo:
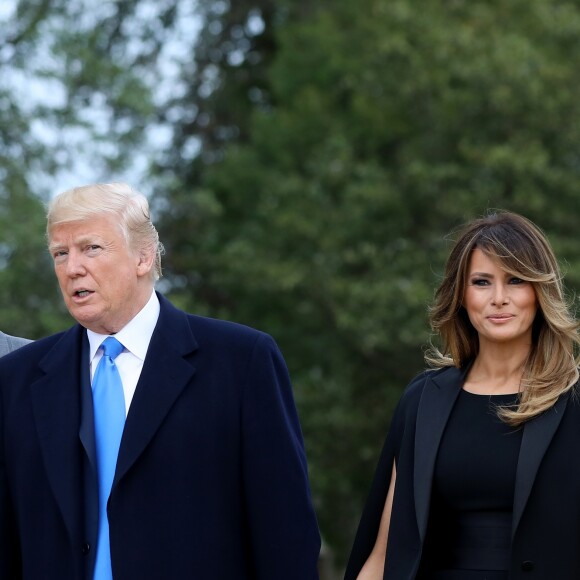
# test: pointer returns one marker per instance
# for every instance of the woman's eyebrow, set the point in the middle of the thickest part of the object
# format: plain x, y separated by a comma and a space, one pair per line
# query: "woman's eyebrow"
481, 274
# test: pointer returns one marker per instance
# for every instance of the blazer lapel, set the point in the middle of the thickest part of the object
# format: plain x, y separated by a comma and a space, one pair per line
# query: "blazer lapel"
438, 397
56, 408
164, 376
536, 438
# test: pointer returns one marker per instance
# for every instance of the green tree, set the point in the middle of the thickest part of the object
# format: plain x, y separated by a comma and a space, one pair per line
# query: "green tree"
27, 305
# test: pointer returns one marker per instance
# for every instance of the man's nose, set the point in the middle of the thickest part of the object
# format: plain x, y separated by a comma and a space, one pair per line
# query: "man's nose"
74, 264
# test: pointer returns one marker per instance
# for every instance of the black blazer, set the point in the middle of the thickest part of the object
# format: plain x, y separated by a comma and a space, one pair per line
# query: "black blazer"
211, 479
546, 515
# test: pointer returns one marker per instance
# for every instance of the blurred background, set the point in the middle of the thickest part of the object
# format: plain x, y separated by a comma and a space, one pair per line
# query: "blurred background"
307, 162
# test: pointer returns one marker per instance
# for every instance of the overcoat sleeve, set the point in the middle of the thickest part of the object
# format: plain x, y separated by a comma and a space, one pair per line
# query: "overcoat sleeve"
284, 535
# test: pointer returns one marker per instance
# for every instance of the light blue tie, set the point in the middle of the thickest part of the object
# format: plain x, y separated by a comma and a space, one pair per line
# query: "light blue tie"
109, 412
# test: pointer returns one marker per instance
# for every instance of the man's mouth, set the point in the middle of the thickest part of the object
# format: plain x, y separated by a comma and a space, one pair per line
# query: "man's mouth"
82, 293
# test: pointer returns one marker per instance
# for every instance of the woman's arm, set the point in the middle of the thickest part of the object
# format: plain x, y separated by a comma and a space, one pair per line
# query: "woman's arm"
375, 564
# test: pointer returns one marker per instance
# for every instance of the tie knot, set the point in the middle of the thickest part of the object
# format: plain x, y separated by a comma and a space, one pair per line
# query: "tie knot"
112, 347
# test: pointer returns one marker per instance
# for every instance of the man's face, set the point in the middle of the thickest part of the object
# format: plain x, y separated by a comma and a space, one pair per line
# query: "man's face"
104, 283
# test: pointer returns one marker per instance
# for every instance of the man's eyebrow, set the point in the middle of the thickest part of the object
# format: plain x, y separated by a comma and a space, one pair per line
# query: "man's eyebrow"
80, 241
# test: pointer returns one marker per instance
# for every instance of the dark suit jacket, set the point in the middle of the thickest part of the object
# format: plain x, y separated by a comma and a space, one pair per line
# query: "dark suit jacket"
211, 478
546, 516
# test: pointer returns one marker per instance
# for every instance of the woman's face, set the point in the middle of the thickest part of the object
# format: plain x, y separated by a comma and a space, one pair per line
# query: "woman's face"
500, 306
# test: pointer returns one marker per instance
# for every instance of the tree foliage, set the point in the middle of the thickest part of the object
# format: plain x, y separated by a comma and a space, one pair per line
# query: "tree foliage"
27, 306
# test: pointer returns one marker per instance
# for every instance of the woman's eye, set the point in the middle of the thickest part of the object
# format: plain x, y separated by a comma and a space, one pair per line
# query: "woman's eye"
515, 280
480, 282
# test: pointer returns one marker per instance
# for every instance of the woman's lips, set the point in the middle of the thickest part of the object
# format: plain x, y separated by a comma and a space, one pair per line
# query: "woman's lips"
499, 318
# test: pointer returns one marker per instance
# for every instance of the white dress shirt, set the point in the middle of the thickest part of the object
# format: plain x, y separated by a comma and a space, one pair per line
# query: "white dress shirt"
135, 337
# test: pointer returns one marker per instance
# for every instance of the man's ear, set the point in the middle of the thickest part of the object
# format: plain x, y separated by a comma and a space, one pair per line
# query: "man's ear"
145, 263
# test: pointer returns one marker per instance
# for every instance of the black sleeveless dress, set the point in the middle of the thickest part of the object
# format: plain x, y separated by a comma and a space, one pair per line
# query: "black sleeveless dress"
469, 532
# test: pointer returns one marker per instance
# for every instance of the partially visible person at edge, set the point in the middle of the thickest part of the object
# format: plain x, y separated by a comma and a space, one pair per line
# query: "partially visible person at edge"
207, 477
479, 476
9, 343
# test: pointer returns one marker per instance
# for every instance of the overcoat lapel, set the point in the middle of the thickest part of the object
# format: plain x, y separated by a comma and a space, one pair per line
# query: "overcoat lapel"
56, 408
165, 374
536, 438
87, 426
437, 400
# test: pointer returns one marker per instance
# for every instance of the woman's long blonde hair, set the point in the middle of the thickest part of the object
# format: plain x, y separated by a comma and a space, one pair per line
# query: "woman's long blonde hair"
521, 249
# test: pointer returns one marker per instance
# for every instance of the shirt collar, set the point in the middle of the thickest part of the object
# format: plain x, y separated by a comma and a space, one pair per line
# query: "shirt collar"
135, 336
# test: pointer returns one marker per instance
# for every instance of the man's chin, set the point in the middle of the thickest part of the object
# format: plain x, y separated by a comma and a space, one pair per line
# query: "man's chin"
85, 315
